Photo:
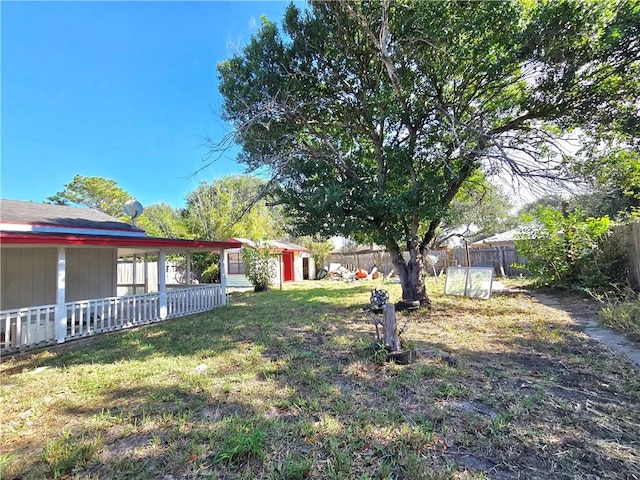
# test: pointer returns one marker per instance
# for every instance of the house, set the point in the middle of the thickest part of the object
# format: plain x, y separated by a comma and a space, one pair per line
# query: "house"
293, 263
504, 239
58, 275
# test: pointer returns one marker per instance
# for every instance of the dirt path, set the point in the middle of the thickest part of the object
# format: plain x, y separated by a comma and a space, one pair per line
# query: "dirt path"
585, 313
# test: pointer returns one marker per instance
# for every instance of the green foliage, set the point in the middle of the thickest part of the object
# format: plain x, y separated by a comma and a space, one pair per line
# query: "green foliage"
371, 117
162, 220
259, 267
478, 210
231, 207
531, 209
98, 193
318, 247
565, 247
613, 174
204, 266
211, 274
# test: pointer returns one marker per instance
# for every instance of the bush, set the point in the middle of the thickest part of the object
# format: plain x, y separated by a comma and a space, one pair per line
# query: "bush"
211, 274
568, 249
259, 267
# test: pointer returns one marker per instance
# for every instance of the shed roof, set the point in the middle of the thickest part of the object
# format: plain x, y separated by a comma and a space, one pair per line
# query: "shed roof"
277, 245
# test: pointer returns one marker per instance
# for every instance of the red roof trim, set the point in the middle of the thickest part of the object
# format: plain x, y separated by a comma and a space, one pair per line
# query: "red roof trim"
40, 239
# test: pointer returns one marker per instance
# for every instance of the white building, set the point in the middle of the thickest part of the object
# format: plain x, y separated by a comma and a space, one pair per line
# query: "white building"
293, 263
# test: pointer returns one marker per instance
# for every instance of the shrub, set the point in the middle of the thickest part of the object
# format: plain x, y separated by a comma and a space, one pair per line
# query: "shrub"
567, 248
259, 267
211, 274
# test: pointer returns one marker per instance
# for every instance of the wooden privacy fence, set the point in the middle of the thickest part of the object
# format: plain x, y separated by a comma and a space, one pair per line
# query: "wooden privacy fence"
353, 261
501, 258
634, 256
629, 238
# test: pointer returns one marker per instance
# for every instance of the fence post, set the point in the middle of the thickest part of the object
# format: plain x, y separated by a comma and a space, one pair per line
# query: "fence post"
634, 256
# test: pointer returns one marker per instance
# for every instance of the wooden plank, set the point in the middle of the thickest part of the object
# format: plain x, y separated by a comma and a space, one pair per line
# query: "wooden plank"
634, 255
390, 327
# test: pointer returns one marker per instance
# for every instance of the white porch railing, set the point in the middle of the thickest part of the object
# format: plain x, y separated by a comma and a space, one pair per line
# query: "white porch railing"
26, 326
185, 301
35, 326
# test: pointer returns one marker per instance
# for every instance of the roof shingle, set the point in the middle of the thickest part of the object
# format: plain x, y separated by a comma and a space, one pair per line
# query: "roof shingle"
32, 213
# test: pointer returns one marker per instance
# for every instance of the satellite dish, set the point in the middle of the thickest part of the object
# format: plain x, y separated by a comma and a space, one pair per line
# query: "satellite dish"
133, 208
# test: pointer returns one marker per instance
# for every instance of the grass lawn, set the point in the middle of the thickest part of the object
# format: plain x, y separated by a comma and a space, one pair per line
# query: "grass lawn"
281, 385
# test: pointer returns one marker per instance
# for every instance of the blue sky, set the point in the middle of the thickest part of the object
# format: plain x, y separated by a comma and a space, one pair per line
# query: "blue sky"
121, 90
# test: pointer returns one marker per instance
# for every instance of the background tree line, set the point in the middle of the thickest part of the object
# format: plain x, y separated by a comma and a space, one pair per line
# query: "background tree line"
232, 207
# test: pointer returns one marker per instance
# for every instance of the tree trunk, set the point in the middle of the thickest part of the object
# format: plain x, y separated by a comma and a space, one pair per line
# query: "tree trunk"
411, 275
390, 328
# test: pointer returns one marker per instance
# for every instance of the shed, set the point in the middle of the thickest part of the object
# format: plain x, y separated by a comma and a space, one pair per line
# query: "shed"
293, 263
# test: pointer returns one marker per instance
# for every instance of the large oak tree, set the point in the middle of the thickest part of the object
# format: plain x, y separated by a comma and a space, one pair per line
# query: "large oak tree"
370, 116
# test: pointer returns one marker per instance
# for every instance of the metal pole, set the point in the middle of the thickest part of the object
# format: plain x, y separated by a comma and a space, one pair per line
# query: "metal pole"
466, 246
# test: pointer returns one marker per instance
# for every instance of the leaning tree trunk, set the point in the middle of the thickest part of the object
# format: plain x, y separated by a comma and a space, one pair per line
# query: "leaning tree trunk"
411, 275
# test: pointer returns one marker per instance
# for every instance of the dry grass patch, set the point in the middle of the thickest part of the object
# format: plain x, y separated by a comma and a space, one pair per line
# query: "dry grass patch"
282, 385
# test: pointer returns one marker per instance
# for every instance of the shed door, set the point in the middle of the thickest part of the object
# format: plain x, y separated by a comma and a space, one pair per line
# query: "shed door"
287, 262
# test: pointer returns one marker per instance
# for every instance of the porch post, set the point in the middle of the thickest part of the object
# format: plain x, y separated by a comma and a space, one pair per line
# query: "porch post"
61, 309
188, 267
134, 260
162, 284
223, 276
146, 273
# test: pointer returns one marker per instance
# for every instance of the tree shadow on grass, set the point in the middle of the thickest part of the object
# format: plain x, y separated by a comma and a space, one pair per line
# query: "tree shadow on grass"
256, 318
533, 404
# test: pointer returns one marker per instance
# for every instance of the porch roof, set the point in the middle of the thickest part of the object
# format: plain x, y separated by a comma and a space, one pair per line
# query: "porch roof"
125, 245
40, 224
